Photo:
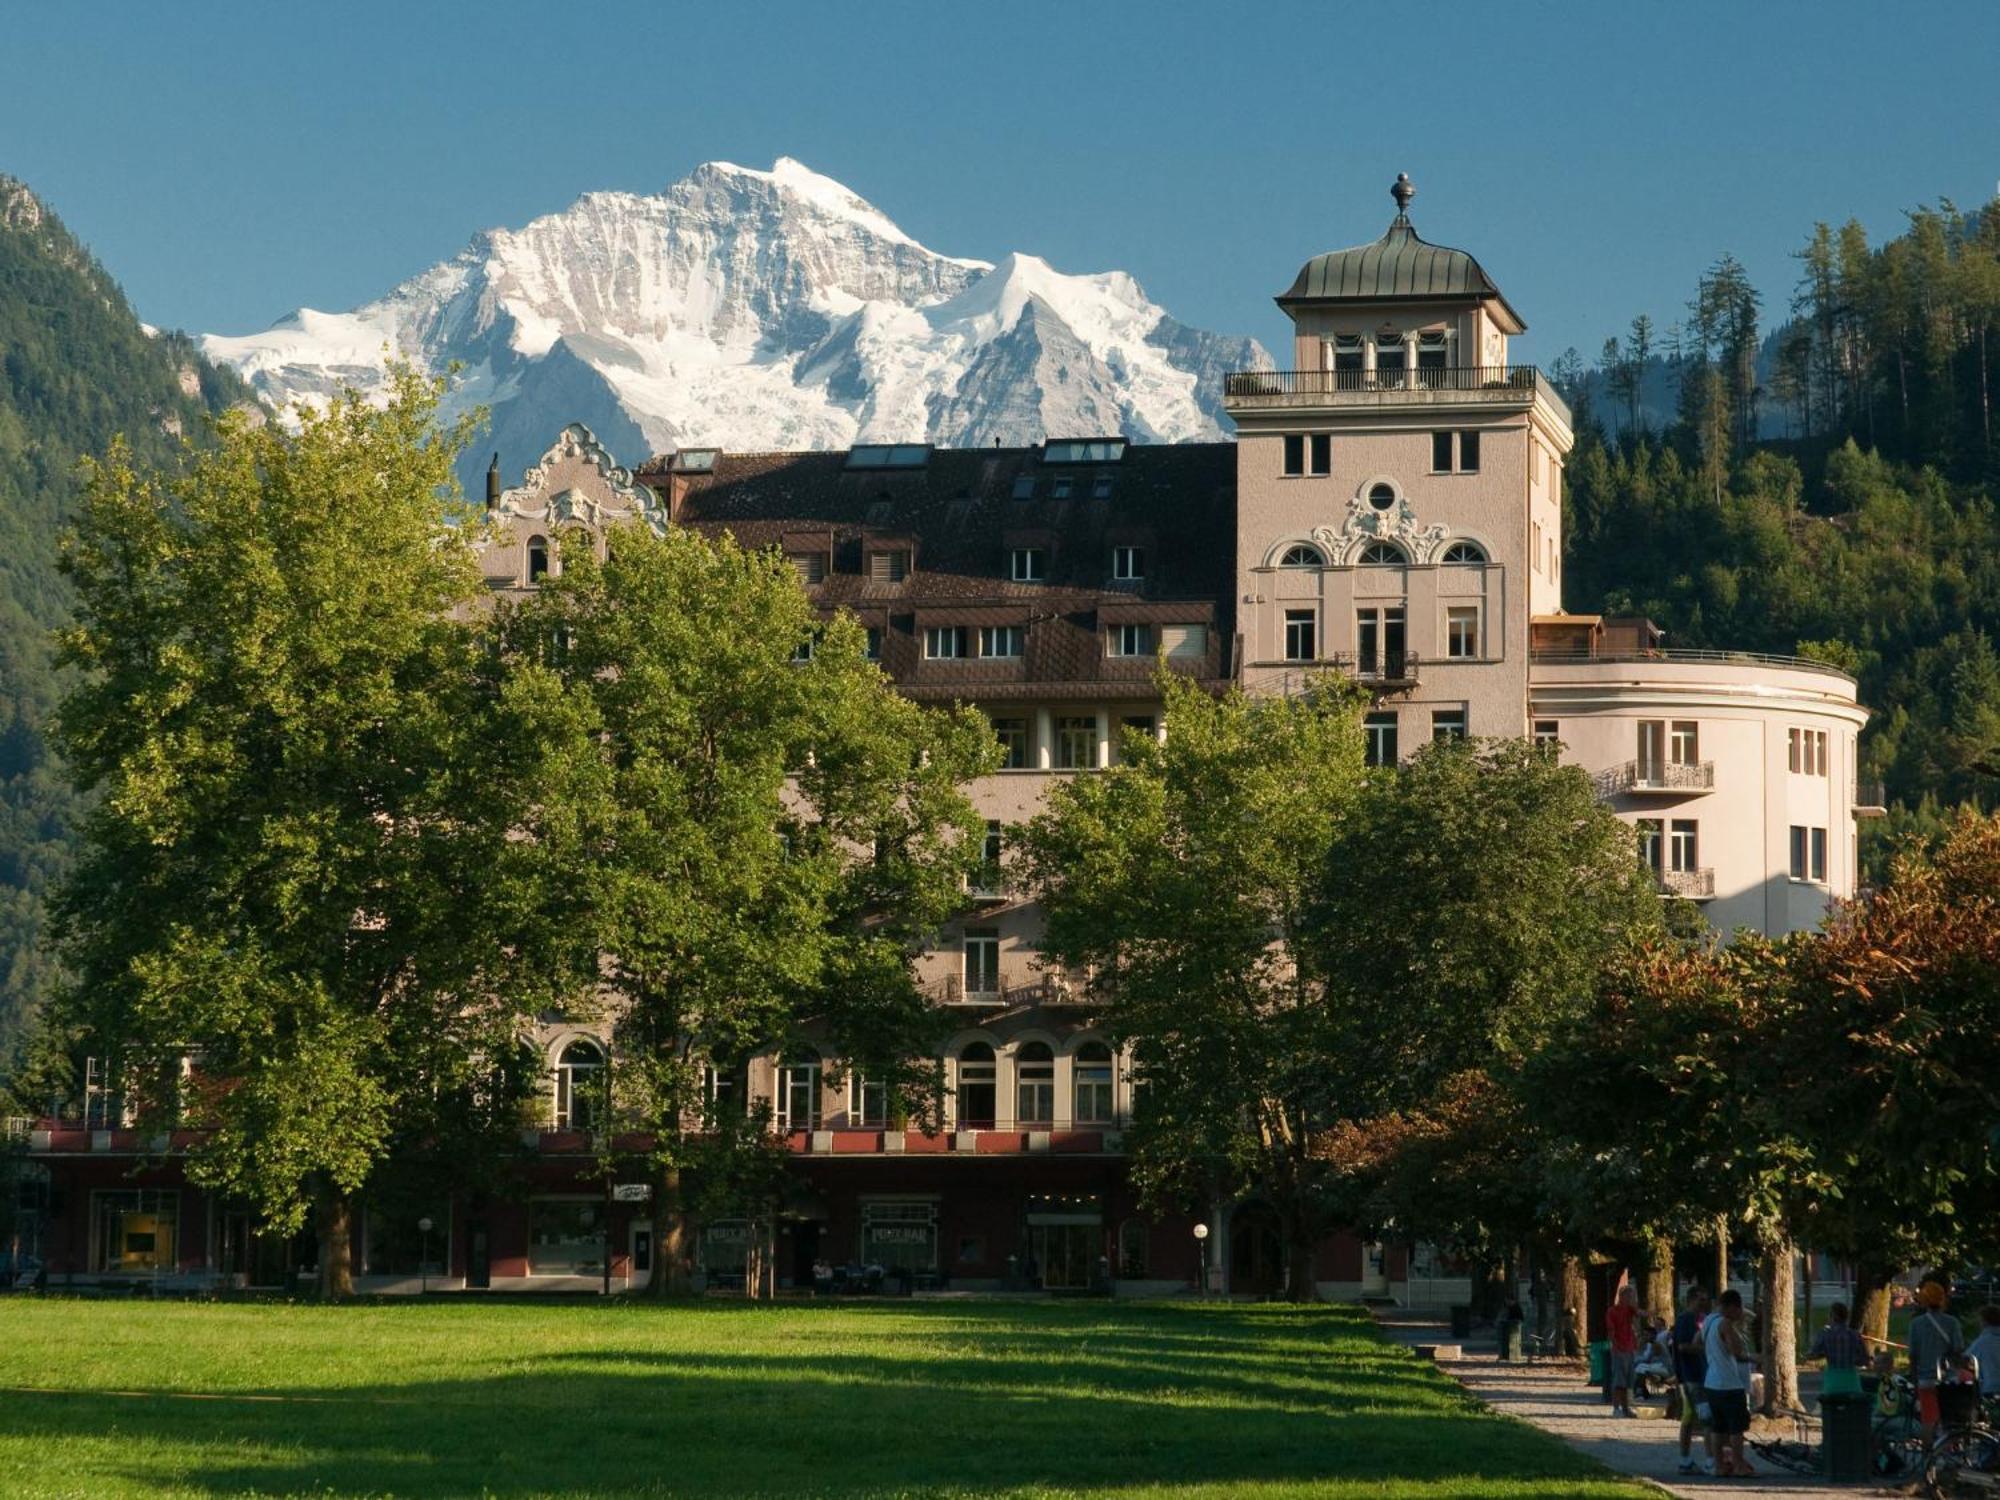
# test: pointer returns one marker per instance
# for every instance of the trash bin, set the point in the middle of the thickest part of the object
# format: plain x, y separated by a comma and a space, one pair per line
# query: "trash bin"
1461, 1320
1600, 1361
1844, 1446
1511, 1350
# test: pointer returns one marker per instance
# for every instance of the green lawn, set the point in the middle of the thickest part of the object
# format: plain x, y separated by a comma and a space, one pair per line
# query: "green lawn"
929, 1398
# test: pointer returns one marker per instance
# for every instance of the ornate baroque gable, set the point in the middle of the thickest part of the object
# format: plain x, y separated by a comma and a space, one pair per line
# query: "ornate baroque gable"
1366, 524
578, 481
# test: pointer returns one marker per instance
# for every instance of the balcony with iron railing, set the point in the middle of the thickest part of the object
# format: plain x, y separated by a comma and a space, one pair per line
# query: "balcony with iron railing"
1009, 991
1657, 778
1871, 800
1689, 885
1422, 385
1390, 671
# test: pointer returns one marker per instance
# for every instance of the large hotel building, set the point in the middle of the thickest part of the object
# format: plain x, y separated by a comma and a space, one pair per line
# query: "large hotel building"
1391, 509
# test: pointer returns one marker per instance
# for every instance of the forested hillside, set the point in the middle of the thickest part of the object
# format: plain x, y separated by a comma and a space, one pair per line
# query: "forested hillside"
76, 369
1870, 538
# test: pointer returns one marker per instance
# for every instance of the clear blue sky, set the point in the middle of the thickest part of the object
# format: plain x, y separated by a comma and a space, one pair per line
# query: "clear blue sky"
229, 162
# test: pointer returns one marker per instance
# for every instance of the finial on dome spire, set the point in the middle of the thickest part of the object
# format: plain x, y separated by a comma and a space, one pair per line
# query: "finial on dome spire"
1403, 191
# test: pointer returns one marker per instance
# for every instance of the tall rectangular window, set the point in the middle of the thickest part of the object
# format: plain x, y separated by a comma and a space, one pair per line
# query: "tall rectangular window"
942, 642
1301, 635
1379, 738
1684, 743
1076, 743
1548, 734
1448, 724
867, 1102
1349, 356
1808, 853
1653, 844
1461, 632
1000, 640
874, 646
1468, 453
1391, 354
1322, 452
1652, 749
1030, 565
982, 960
1440, 453
1295, 453
1818, 853
1683, 855
1128, 564
1379, 638
1013, 737
1131, 640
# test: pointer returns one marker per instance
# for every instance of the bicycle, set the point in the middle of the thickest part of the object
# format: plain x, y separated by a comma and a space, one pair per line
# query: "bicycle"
1799, 1453
1964, 1460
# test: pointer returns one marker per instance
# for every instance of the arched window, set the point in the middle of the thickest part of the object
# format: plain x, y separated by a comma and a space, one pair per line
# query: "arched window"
1382, 555
1302, 556
1382, 496
579, 1086
1134, 1240
538, 558
1035, 1077
976, 1073
1093, 1084
1465, 552
798, 1091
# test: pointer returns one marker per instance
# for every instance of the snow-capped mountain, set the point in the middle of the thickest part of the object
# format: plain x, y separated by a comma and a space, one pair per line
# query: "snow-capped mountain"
749, 310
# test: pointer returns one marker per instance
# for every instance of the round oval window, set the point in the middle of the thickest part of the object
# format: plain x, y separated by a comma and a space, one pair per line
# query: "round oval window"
1382, 497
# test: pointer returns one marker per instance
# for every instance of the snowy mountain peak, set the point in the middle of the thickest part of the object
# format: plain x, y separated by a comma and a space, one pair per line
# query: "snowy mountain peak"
760, 309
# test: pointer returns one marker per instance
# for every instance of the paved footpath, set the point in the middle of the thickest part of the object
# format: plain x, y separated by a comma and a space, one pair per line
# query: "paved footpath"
1553, 1397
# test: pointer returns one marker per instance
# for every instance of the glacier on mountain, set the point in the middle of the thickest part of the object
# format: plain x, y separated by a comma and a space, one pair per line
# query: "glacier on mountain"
751, 310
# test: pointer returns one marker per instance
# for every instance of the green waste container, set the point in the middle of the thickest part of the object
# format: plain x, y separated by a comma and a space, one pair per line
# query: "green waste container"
1844, 1446
1600, 1361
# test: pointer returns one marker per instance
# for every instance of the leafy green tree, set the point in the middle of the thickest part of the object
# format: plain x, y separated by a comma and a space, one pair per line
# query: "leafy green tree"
744, 831
280, 714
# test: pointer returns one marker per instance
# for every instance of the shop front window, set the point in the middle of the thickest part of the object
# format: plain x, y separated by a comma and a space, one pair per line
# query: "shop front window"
134, 1229
899, 1236
565, 1237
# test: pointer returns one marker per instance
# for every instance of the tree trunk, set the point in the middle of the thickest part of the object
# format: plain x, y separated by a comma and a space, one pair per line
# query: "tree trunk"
1657, 1294
673, 1239
1721, 1256
1574, 1293
336, 1245
1806, 1297
753, 1261
1871, 1306
1777, 1306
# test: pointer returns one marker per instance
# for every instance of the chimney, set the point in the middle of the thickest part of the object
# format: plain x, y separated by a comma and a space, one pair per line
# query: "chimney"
493, 485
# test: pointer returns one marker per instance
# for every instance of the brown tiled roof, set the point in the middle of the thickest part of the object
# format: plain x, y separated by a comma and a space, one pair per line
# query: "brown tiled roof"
960, 516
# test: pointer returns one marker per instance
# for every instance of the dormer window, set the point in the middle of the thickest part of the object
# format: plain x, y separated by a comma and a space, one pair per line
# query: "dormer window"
1030, 565
1100, 487
1131, 640
1059, 488
888, 455
538, 558
944, 642
890, 565
1128, 564
811, 566
1084, 451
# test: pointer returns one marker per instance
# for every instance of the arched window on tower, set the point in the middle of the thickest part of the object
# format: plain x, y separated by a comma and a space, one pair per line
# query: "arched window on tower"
1467, 553
1299, 555
580, 1081
1383, 555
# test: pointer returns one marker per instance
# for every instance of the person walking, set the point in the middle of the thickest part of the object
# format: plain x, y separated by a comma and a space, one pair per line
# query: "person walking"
1986, 1351
1844, 1351
1622, 1323
1727, 1382
1689, 1364
1936, 1342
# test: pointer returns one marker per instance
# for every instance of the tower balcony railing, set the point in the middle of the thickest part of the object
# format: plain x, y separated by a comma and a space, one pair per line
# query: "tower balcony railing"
1251, 390
1673, 778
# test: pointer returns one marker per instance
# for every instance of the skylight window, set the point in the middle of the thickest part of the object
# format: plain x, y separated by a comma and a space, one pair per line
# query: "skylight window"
888, 455
1084, 451
696, 460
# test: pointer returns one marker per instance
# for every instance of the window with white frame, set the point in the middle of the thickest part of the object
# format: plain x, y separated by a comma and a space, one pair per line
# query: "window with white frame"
1683, 847
1131, 640
978, 1076
1447, 724
1301, 635
1378, 731
1030, 565
1383, 555
1461, 632
1128, 563
1652, 843
1035, 1084
1464, 554
579, 1094
1391, 354
1809, 854
943, 642
981, 949
1350, 354
1548, 734
1013, 737
1684, 743
538, 558
1300, 555
1295, 454
1076, 742
1807, 749
724, 1090
1000, 640
1092, 1084
867, 1102
798, 1091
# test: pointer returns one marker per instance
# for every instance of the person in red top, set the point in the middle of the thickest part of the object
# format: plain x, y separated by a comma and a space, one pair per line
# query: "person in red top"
1622, 1322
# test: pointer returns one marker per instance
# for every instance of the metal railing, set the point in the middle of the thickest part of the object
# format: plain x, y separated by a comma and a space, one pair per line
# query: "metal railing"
1046, 989
1870, 796
1695, 885
990, 883
1544, 656
1385, 667
1656, 776
1495, 382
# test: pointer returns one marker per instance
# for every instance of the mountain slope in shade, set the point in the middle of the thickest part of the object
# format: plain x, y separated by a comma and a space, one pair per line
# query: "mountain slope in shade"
754, 309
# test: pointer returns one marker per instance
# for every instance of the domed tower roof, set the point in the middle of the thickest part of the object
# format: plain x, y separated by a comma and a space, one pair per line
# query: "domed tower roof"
1400, 266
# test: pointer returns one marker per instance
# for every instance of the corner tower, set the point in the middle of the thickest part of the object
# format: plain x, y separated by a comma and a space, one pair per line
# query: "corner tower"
1399, 491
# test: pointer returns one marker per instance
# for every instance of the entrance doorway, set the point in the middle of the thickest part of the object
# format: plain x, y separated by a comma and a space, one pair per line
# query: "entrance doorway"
641, 1248
1256, 1254
805, 1250
1066, 1254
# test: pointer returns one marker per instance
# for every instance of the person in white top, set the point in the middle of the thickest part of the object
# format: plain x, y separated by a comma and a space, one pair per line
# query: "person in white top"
1727, 1383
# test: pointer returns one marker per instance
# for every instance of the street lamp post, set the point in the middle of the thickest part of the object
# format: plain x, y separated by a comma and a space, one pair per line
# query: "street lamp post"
1201, 1246
424, 1255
